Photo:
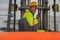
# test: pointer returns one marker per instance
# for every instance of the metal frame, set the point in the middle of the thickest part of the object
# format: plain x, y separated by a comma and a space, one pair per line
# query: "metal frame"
42, 6
39, 15
44, 15
14, 14
23, 6
9, 11
54, 17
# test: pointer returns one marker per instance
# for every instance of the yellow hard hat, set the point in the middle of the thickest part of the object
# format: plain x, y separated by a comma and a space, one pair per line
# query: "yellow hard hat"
33, 4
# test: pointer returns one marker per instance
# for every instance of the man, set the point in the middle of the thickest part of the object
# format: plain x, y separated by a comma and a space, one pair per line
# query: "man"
28, 22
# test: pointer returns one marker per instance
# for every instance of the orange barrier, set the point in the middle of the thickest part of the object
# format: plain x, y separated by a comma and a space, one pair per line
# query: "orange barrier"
30, 36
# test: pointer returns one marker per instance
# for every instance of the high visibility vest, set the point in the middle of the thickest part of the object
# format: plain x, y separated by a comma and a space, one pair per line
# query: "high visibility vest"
29, 17
40, 30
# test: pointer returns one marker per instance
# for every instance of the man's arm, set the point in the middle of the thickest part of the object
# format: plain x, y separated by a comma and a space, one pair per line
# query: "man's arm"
24, 15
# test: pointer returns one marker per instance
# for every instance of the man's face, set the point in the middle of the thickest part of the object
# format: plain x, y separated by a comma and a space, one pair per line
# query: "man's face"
33, 9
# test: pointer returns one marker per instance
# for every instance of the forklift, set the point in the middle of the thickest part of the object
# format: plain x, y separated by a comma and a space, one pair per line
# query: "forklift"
42, 13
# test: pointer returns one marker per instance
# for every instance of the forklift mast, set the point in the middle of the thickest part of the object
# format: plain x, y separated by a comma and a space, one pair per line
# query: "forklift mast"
43, 16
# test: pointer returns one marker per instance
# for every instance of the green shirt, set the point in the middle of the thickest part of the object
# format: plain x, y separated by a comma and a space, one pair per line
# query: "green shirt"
29, 17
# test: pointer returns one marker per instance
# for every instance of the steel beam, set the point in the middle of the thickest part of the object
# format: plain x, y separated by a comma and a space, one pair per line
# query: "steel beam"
9, 11
54, 17
44, 15
47, 8
39, 15
14, 14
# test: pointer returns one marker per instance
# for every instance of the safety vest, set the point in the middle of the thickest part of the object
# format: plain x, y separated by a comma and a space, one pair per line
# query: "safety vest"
40, 30
29, 17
